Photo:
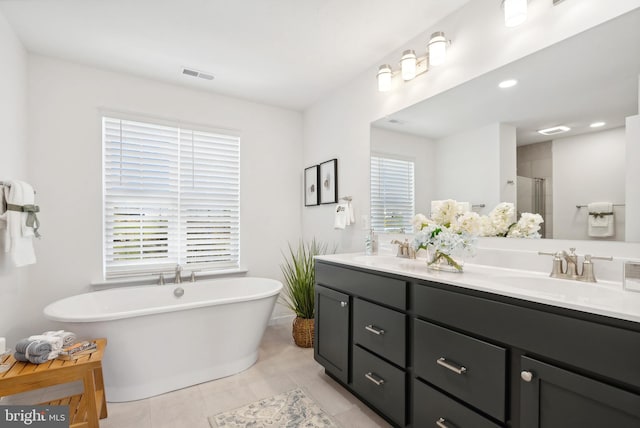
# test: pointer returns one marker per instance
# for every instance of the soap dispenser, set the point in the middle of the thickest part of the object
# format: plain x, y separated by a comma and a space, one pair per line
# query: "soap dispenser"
371, 243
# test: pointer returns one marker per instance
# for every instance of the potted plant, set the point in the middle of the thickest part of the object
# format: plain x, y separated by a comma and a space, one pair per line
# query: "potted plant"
299, 275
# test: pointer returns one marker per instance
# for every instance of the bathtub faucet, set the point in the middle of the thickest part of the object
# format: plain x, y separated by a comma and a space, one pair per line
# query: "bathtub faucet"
178, 278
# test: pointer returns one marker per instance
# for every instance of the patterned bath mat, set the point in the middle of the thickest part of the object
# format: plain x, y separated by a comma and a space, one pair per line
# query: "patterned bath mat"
291, 409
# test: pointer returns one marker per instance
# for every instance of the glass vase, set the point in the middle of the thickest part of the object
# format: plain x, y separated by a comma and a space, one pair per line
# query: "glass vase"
438, 260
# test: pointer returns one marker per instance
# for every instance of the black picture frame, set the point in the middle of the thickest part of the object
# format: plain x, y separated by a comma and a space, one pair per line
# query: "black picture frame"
311, 193
328, 182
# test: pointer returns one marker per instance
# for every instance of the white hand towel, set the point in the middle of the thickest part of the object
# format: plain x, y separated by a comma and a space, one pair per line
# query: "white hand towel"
18, 238
352, 217
601, 226
341, 216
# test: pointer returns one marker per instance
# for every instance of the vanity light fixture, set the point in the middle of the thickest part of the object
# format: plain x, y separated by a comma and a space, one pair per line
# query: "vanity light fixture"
408, 64
384, 77
554, 130
510, 83
515, 12
411, 65
437, 48
597, 124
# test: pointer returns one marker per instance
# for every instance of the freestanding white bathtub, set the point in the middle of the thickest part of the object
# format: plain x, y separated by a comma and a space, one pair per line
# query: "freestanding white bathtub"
157, 342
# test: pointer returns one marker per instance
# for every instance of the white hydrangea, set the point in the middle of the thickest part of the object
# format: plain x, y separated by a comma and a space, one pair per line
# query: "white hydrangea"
527, 227
445, 213
502, 217
468, 222
419, 220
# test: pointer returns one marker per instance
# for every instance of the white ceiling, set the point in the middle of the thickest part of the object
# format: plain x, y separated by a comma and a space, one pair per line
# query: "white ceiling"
590, 77
280, 52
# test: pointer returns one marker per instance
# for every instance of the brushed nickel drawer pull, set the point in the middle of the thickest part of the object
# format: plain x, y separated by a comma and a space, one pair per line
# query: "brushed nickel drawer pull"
374, 330
442, 361
378, 381
442, 423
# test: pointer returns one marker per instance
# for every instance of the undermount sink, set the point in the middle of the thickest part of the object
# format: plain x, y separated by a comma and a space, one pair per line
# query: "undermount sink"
378, 259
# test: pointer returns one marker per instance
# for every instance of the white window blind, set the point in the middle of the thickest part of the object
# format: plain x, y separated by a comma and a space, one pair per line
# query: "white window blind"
392, 194
171, 196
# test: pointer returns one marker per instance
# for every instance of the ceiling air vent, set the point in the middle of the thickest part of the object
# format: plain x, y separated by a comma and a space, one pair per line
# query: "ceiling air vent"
195, 73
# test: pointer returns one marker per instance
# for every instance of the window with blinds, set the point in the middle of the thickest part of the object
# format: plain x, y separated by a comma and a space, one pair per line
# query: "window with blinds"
392, 194
171, 196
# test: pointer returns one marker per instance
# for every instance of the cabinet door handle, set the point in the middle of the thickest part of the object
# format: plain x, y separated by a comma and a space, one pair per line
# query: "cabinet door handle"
442, 361
379, 381
526, 376
374, 330
343, 304
442, 423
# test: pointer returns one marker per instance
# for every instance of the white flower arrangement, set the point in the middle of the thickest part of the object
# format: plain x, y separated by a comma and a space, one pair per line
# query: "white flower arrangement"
452, 233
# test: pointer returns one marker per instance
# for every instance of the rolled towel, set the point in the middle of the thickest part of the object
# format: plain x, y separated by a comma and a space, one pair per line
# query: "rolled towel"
55, 341
34, 359
68, 338
33, 347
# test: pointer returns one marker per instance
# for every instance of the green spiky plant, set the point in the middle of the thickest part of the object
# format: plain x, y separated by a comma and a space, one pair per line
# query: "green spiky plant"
299, 275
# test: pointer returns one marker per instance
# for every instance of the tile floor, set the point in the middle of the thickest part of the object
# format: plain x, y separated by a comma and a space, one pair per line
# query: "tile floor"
281, 366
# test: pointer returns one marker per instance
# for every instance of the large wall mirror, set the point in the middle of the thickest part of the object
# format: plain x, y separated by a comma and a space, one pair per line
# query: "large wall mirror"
481, 144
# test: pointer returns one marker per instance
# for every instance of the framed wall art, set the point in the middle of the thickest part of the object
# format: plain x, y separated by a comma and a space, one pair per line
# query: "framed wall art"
328, 182
311, 194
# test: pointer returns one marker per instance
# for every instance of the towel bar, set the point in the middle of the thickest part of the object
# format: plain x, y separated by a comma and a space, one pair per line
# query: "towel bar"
585, 206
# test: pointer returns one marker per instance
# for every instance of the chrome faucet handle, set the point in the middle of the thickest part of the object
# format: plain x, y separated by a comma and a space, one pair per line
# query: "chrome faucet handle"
161, 278
193, 276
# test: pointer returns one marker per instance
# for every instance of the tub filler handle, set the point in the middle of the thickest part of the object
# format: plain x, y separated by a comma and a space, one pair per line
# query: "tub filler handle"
178, 292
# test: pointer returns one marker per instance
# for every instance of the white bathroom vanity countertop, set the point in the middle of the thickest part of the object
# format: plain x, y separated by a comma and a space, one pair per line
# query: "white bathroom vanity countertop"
606, 298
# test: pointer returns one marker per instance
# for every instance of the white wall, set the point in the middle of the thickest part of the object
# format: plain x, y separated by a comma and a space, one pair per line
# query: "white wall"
14, 289
65, 101
338, 125
588, 168
632, 191
410, 147
470, 166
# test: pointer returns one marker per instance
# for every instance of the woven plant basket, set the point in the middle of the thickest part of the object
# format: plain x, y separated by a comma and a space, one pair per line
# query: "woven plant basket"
303, 331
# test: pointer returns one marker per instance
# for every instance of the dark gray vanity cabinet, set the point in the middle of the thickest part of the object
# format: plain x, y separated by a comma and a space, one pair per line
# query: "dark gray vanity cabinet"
331, 342
427, 354
555, 398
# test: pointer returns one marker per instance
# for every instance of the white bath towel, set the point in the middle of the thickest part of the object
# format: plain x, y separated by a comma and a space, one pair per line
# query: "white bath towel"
18, 238
601, 223
342, 216
351, 217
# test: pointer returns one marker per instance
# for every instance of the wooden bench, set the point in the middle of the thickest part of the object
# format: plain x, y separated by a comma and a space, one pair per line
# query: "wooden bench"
84, 409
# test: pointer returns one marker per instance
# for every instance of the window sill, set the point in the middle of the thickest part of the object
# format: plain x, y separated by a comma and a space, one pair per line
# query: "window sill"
153, 279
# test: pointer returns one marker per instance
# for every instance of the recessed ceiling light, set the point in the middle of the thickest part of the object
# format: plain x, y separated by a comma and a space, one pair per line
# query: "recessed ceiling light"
597, 124
554, 130
507, 83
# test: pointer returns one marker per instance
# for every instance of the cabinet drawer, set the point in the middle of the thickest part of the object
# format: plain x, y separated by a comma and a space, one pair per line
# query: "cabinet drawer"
581, 343
393, 292
434, 409
380, 383
380, 330
467, 368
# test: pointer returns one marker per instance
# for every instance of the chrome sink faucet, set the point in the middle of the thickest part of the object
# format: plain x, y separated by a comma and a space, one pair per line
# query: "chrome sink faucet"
571, 271
178, 277
405, 250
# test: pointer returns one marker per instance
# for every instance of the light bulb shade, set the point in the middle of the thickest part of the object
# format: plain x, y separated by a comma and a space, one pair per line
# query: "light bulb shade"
515, 12
437, 48
408, 64
384, 78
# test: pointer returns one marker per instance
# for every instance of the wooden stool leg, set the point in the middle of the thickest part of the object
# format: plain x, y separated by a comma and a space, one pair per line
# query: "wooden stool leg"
90, 395
100, 388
